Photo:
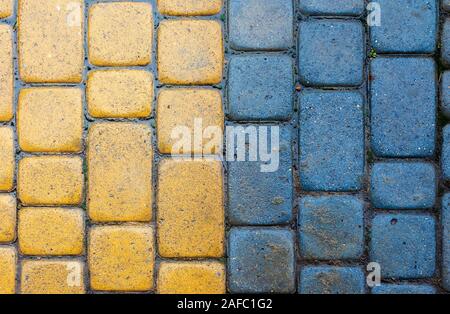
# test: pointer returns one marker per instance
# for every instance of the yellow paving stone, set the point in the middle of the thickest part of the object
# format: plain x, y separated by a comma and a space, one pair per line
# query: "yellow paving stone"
7, 163
120, 93
190, 208
7, 218
50, 119
50, 180
6, 8
51, 231
121, 258
8, 261
6, 73
191, 108
50, 40
191, 278
190, 52
119, 160
52, 277
189, 7
120, 33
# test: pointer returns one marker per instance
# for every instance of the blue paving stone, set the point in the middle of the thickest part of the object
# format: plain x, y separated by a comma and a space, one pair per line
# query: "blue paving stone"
403, 185
404, 245
445, 157
445, 43
446, 5
445, 93
261, 260
446, 241
332, 7
331, 140
261, 24
404, 289
331, 227
262, 198
260, 87
331, 53
403, 104
406, 26
331, 280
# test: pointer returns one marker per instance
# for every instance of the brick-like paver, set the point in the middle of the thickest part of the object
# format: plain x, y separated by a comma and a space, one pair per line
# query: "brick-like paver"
123, 126
189, 7
120, 33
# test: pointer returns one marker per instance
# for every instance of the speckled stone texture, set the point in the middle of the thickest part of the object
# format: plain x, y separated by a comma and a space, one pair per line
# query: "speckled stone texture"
403, 185
445, 93
331, 52
403, 93
404, 289
260, 87
446, 241
331, 140
445, 154
262, 198
406, 27
404, 245
331, 7
445, 47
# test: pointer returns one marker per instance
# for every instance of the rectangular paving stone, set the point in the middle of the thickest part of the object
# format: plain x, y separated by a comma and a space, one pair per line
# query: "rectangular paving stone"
6, 8
256, 197
8, 269
190, 52
121, 258
52, 277
406, 27
189, 7
404, 289
331, 140
261, 24
445, 93
445, 43
7, 157
50, 119
181, 108
403, 96
331, 227
260, 87
119, 158
190, 217
6, 73
332, 7
50, 41
261, 260
445, 219
51, 231
50, 180
404, 245
403, 185
191, 278
445, 153
331, 280
341, 63
120, 34
7, 218
119, 93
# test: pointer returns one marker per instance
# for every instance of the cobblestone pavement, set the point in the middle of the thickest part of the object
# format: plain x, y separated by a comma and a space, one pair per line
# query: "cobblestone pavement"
92, 200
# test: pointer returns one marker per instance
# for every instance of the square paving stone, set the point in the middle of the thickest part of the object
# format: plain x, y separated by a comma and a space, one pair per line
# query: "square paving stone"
260, 87
261, 260
331, 280
445, 157
406, 26
331, 227
262, 198
332, 7
404, 289
331, 140
261, 24
404, 245
120, 33
331, 52
445, 93
445, 43
446, 241
403, 111
403, 185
